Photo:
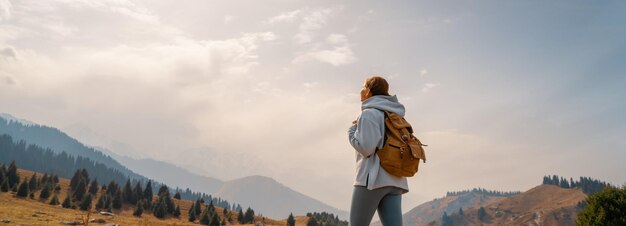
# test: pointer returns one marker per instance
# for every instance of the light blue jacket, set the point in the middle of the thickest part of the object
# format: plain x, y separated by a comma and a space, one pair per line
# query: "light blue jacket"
367, 136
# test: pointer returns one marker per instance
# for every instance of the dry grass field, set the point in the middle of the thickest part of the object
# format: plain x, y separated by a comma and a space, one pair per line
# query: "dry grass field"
27, 211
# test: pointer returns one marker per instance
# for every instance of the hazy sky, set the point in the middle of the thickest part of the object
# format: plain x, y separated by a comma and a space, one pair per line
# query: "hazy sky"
503, 92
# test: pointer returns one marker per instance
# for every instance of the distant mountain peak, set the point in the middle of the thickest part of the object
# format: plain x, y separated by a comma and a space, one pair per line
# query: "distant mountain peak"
11, 118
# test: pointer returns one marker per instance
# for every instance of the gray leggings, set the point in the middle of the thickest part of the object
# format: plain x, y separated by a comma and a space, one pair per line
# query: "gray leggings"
365, 202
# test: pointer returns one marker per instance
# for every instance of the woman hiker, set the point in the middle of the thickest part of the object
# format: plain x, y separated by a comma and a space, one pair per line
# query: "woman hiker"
374, 188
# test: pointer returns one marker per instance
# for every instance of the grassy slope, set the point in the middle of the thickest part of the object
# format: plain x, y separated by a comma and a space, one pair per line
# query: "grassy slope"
34, 211
541, 205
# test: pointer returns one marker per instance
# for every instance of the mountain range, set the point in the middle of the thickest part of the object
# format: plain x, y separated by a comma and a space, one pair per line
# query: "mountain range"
264, 194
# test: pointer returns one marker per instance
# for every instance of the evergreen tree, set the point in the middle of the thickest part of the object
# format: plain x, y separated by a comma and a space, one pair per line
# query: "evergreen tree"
177, 211
225, 211
198, 207
192, 213
461, 211
45, 192
160, 209
137, 192
147, 193
67, 202
215, 220
32, 183
607, 207
80, 190
86, 202
5, 185
205, 218
445, 219
12, 176
240, 217
23, 190
117, 199
3, 172
482, 214
75, 180
249, 216
93, 188
112, 188
128, 193
291, 221
54, 201
139, 209
102, 200
312, 222
177, 195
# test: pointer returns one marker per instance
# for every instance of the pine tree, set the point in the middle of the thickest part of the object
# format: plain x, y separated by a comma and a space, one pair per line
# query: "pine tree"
3, 172
312, 222
67, 202
86, 202
240, 217
461, 211
5, 185
139, 209
93, 188
249, 216
12, 176
177, 211
54, 201
117, 199
482, 214
215, 220
177, 195
198, 206
45, 192
147, 193
102, 200
23, 190
192, 213
80, 190
128, 192
32, 183
160, 209
291, 221
75, 180
445, 219
137, 192
205, 217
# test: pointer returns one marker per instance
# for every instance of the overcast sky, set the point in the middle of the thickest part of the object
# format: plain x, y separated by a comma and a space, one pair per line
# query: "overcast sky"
503, 92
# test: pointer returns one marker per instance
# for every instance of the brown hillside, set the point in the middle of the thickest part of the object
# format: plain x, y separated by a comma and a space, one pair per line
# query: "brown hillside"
434, 209
26, 211
541, 205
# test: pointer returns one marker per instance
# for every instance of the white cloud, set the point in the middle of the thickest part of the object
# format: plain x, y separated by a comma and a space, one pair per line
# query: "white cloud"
428, 86
337, 57
285, 17
5, 10
313, 22
123, 7
340, 54
228, 19
423, 72
337, 39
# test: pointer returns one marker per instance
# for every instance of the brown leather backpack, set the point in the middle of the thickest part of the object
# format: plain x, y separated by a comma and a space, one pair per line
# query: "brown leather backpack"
402, 151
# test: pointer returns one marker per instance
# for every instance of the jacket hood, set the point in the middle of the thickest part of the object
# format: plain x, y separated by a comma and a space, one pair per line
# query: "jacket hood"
384, 103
